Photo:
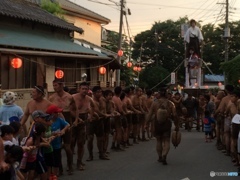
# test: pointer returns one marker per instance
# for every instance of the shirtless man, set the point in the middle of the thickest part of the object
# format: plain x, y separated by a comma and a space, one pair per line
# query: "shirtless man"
163, 131
96, 126
139, 119
220, 125
66, 102
37, 103
149, 124
201, 111
109, 109
233, 110
84, 104
117, 120
220, 114
127, 100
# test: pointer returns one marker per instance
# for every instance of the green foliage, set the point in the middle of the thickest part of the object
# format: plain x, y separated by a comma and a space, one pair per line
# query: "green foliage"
152, 75
232, 69
52, 7
112, 43
164, 44
127, 75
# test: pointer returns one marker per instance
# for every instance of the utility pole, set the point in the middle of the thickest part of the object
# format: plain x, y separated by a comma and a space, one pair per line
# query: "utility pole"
156, 48
226, 38
120, 39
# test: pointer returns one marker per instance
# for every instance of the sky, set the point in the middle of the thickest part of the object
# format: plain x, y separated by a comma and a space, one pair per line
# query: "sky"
145, 12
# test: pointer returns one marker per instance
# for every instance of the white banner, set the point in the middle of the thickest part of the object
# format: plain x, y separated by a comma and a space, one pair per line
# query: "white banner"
173, 78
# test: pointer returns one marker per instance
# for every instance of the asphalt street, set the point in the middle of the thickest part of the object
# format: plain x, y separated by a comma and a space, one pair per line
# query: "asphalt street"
193, 159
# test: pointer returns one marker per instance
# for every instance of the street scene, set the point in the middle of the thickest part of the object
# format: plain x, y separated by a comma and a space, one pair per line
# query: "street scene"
119, 89
192, 159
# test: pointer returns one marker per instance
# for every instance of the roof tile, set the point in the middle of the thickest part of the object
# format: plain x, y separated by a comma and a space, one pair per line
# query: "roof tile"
22, 9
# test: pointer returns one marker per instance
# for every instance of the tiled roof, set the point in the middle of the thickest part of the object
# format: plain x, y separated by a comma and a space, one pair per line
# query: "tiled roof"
26, 38
21, 9
70, 6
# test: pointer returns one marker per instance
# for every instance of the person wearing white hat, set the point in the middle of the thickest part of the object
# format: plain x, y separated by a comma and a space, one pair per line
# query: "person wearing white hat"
9, 109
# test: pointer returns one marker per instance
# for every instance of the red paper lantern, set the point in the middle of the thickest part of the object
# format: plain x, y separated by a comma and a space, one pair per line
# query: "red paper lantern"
102, 70
120, 53
219, 84
16, 63
139, 69
129, 64
59, 74
135, 68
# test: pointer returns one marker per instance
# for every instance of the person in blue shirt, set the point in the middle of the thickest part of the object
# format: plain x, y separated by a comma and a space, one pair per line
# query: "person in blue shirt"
208, 122
59, 127
9, 109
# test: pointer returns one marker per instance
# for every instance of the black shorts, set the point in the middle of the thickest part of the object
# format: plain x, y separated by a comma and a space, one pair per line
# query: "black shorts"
135, 119
95, 127
129, 118
117, 122
57, 157
163, 129
41, 167
49, 159
208, 133
124, 122
107, 125
235, 130
29, 167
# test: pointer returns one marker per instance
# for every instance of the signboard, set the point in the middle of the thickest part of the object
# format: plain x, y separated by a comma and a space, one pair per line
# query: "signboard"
173, 81
184, 28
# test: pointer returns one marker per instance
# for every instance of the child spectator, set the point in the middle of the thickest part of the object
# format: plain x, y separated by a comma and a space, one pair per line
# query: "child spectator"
12, 157
7, 135
29, 160
16, 126
58, 128
208, 121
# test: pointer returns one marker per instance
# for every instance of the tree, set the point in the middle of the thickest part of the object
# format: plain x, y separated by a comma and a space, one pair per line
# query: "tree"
152, 75
164, 44
232, 70
52, 7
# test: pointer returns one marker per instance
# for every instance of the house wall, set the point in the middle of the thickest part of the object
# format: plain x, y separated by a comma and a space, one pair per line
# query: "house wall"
92, 30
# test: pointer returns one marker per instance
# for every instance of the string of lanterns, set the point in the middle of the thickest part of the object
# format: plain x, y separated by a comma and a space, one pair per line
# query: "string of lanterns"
19, 60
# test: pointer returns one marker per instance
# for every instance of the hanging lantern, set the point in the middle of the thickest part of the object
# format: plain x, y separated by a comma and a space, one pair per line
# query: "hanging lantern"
102, 70
135, 68
139, 69
206, 86
120, 53
129, 64
59, 74
16, 63
219, 84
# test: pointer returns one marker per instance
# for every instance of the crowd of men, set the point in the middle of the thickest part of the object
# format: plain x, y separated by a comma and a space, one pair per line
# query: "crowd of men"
69, 121
223, 108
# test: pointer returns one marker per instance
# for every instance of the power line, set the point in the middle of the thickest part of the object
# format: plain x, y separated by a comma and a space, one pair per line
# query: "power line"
169, 6
198, 8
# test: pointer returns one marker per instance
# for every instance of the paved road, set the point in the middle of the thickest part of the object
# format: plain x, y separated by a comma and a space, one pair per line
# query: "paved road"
193, 159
